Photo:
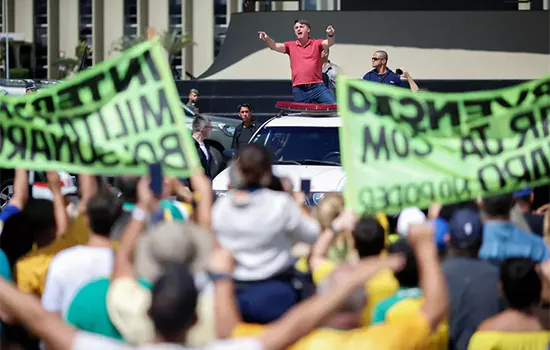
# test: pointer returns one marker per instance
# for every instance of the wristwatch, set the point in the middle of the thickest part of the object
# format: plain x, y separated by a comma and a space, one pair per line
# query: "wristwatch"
214, 276
330, 35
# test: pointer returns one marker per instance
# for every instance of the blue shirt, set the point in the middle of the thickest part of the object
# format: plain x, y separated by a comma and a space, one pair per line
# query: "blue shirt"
503, 240
9, 211
388, 78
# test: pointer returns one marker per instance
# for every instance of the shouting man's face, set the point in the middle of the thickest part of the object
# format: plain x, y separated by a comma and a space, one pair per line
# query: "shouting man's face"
301, 31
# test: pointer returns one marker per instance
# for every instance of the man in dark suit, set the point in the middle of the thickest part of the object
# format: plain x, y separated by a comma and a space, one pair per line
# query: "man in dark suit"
201, 130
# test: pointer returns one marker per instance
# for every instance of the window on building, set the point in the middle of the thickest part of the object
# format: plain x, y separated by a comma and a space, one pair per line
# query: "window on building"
41, 38
86, 28
220, 12
309, 5
2, 16
130, 18
175, 24
220, 24
265, 5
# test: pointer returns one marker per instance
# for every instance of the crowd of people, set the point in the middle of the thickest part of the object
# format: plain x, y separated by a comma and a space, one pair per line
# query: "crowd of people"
258, 269
115, 266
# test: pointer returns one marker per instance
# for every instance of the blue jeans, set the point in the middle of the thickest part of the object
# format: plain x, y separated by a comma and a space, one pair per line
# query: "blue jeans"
267, 300
314, 93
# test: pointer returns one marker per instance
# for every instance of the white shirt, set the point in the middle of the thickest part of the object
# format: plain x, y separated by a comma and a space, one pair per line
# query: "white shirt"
89, 341
70, 270
260, 230
204, 150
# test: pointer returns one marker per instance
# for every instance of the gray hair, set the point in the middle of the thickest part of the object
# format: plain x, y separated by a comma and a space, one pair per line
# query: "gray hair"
200, 122
383, 53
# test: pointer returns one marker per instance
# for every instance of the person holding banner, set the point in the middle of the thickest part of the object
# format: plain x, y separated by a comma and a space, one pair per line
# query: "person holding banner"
305, 62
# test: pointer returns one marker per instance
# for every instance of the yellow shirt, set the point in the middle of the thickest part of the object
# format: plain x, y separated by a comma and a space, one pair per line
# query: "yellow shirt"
384, 222
31, 269
409, 307
383, 285
406, 334
492, 340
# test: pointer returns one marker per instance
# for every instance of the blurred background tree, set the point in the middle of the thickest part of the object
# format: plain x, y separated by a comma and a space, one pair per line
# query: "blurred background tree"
173, 42
66, 65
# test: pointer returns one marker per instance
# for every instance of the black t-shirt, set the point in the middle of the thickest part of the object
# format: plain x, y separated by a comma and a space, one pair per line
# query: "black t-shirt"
245, 136
535, 222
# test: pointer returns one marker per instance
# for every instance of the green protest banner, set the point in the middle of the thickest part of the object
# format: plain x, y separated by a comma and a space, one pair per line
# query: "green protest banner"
401, 148
112, 119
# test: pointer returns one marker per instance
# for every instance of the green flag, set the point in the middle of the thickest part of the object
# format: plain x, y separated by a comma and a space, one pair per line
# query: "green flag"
401, 148
112, 119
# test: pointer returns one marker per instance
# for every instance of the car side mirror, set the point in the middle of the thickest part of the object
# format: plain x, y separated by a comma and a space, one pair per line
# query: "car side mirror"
229, 154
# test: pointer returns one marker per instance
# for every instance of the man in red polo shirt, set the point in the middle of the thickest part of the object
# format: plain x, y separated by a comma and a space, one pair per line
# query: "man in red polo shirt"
305, 63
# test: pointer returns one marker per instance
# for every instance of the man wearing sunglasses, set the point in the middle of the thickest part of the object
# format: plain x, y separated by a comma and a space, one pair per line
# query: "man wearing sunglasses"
381, 73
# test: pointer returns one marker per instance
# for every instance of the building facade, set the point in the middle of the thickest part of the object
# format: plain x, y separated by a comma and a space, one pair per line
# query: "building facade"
53, 28
47, 31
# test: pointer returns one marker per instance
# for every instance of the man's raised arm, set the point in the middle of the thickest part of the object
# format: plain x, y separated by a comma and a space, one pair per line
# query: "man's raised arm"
275, 46
329, 41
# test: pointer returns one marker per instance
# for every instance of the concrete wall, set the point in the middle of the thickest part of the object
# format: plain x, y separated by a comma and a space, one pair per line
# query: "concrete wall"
113, 25
10, 14
203, 36
69, 27
158, 15
108, 27
466, 45
24, 18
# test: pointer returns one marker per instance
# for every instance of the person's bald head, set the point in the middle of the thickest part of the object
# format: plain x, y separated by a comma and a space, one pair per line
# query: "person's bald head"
357, 301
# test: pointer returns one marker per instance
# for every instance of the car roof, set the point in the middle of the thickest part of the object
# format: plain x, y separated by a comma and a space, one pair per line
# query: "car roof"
305, 121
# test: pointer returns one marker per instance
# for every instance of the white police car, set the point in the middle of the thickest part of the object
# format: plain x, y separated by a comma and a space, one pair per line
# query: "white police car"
305, 144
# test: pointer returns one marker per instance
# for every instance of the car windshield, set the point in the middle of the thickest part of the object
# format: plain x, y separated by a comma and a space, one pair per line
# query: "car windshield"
301, 145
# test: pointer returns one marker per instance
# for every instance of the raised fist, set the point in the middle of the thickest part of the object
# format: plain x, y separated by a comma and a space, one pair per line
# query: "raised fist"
263, 36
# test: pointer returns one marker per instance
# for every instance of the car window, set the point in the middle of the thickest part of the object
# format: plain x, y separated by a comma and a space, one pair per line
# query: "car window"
301, 143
